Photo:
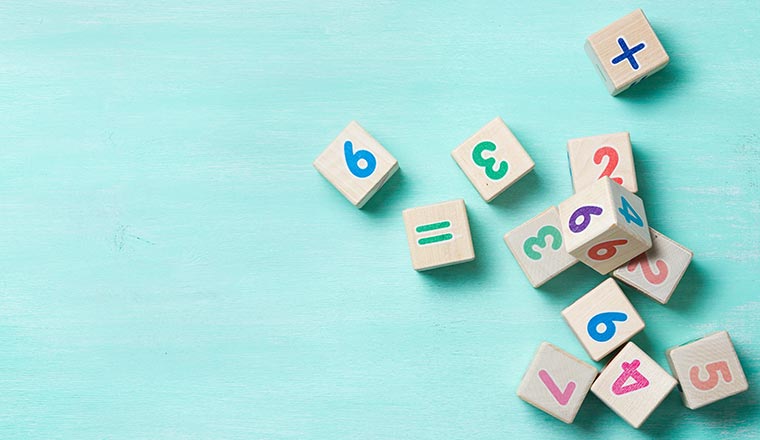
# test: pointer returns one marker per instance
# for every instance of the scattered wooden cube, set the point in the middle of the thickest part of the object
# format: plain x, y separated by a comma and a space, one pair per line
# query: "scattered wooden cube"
537, 247
707, 370
603, 319
605, 155
492, 159
626, 52
604, 225
556, 382
356, 164
656, 272
633, 385
438, 235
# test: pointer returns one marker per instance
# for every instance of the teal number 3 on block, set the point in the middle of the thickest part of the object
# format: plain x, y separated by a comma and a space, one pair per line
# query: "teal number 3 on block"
489, 163
629, 214
353, 158
540, 241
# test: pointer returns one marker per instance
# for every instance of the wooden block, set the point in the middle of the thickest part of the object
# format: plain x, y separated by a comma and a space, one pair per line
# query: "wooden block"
492, 159
604, 226
656, 272
356, 164
707, 370
537, 247
592, 158
626, 52
633, 385
438, 235
603, 319
556, 382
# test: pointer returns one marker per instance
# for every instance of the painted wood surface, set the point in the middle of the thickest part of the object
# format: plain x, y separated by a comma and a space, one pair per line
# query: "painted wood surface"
174, 267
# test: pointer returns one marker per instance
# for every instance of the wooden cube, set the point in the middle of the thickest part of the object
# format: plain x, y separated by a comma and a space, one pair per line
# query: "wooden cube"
626, 52
537, 247
604, 226
656, 272
556, 382
603, 319
592, 158
633, 385
356, 164
707, 370
438, 235
492, 159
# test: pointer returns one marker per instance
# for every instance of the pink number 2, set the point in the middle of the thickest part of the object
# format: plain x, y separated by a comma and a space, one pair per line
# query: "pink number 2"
630, 371
654, 278
712, 379
612, 156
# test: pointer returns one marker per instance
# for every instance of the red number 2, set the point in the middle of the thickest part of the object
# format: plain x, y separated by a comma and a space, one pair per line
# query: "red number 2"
653, 278
612, 156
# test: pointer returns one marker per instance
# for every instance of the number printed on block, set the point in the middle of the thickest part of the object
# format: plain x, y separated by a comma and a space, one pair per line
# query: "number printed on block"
537, 247
438, 235
556, 382
633, 385
657, 272
356, 164
603, 319
607, 155
604, 225
707, 370
626, 52
492, 159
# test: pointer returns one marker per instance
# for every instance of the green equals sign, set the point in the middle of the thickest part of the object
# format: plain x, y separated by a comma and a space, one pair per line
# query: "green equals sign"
434, 238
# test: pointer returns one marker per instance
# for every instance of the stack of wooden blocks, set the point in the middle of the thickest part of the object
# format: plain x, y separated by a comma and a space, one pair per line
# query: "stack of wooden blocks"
603, 225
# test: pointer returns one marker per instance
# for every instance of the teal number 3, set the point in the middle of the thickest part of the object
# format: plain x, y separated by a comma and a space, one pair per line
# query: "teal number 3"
629, 214
488, 164
540, 241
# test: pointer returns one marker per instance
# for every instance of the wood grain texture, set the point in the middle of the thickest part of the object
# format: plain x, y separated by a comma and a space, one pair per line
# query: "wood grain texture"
493, 159
173, 267
438, 235
707, 370
604, 226
556, 382
610, 155
657, 272
633, 385
626, 52
581, 316
538, 249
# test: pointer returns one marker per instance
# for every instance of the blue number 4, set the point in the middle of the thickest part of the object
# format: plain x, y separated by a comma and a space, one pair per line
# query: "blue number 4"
629, 213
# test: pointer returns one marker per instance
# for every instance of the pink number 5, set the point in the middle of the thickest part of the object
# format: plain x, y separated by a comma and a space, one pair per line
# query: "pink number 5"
613, 157
646, 269
712, 379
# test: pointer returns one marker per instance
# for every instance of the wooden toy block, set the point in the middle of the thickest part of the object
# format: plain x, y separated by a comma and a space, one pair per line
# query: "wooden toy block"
626, 52
604, 226
707, 370
556, 382
537, 247
356, 164
656, 272
438, 235
492, 159
592, 158
603, 319
633, 385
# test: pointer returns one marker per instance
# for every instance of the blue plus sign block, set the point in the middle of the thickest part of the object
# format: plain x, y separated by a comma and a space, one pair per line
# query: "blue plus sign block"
628, 53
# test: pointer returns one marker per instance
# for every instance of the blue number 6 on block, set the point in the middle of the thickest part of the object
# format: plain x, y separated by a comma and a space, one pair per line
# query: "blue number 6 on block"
608, 319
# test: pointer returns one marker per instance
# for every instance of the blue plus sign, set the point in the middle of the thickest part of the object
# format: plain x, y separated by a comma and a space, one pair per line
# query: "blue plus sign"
628, 53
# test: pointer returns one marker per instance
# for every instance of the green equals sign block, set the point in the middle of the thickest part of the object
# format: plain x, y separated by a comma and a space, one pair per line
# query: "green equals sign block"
434, 238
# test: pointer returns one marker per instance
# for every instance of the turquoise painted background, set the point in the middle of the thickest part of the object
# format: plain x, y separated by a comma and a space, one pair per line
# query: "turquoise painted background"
172, 266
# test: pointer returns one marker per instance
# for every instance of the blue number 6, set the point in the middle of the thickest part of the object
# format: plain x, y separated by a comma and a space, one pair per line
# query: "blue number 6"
608, 319
353, 158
